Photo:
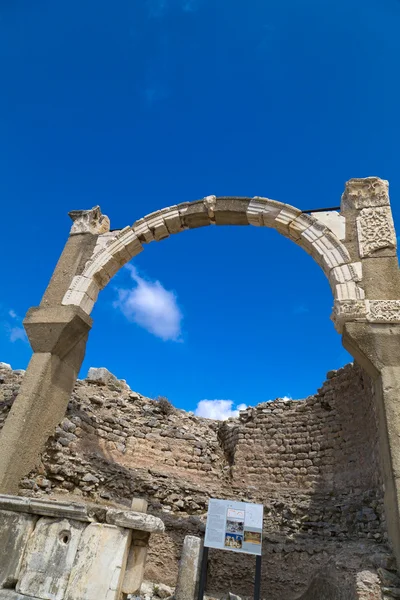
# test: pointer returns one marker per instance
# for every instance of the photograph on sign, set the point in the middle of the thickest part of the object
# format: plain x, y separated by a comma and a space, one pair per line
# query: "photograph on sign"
235, 526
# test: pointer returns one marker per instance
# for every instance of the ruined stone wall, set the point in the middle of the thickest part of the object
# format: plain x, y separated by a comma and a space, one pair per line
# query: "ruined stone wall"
314, 464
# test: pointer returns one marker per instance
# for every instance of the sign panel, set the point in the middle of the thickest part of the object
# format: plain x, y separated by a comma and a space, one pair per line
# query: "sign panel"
235, 526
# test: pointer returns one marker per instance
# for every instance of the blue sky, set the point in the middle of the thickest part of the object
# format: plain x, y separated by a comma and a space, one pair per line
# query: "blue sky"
140, 105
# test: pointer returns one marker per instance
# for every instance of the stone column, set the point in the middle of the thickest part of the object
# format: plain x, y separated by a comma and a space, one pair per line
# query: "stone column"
189, 569
136, 564
376, 347
58, 336
373, 336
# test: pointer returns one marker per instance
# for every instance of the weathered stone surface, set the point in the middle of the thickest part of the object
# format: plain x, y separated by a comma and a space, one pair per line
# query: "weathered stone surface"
44, 507
134, 520
12, 595
135, 568
189, 569
49, 557
100, 564
89, 221
102, 376
15, 530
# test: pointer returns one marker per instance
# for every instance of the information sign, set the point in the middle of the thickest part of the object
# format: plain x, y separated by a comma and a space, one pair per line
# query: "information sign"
235, 526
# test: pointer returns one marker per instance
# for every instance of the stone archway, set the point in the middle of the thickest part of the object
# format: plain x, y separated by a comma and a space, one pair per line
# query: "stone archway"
320, 234
355, 248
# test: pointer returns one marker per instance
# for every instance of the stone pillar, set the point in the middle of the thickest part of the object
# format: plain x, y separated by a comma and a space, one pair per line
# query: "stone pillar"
58, 336
136, 564
373, 336
376, 347
189, 569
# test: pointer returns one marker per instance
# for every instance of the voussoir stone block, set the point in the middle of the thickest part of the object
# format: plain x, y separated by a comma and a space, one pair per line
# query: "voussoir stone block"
100, 563
333, 221
49, 557
15, 530
194, 214
231, 211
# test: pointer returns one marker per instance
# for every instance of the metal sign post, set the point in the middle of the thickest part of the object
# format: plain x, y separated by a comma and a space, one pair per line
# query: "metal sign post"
203, 576
257, 580
237, 527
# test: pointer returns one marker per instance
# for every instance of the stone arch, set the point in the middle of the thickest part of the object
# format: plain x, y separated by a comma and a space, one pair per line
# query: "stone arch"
355, 248
319, 234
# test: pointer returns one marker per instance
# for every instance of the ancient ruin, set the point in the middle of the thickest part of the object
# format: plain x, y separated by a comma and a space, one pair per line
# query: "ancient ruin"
326, 468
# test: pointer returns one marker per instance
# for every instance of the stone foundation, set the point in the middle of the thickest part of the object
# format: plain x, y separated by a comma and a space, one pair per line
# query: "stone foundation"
68, 551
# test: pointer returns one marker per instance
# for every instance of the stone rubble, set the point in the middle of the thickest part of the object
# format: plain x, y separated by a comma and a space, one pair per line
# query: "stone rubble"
314, 464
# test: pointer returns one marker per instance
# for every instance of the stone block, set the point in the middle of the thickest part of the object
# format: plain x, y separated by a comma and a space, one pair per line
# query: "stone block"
49, 557
286, 216
134, 569
101, 376
156, 224
349, 291
365, 193
84, 284
56, 329
15, 529
139, 505
376, 234
64, 510
134, 520
231, 211
100, 563
142, 231
255, 211
80, 299
125, 246
172, 219
347, 272
333, 221
14, 503
194, 214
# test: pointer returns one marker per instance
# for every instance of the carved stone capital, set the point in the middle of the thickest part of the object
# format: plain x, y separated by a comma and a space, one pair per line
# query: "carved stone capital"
89, 221
365, 193
348, 310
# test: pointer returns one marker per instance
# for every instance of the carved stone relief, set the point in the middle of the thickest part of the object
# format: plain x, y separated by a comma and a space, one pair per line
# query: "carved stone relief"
375, 230
384, 311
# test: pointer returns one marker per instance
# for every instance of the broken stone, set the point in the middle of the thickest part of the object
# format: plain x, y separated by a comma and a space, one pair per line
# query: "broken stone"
135, 520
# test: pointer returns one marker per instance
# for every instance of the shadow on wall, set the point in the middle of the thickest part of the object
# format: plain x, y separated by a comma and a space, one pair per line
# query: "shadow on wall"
330, 585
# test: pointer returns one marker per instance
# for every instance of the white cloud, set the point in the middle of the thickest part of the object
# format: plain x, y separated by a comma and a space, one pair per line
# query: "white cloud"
11, 323
218, 409
151, 306
17, 333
